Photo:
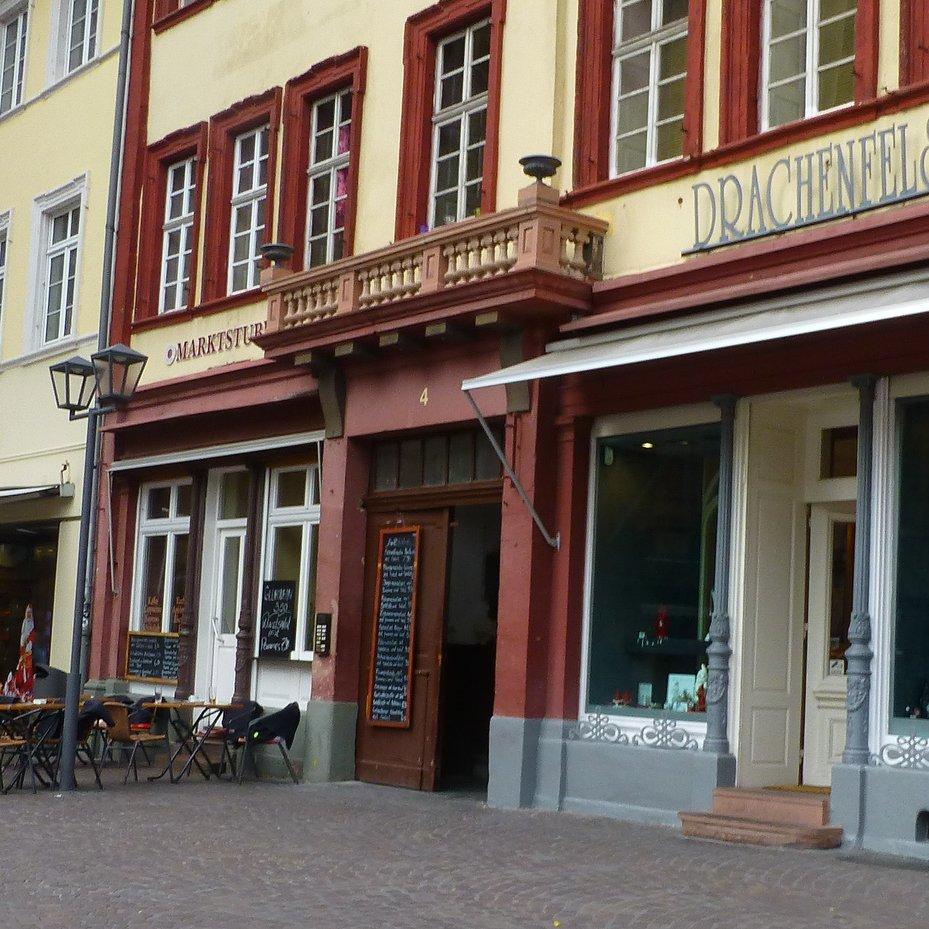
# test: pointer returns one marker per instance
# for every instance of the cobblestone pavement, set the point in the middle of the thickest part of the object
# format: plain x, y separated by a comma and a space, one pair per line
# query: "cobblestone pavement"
352, 856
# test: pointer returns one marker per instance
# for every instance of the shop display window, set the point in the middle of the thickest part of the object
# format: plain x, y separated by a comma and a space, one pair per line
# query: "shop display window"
654, 548
910, 693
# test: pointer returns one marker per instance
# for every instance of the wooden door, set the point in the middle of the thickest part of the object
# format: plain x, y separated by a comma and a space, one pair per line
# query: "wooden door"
405, 754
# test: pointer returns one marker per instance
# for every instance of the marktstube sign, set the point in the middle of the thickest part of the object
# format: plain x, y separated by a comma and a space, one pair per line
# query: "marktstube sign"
882, 167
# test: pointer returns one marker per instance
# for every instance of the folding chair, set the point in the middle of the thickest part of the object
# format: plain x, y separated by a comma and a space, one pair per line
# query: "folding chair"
231, 733
274, 729
121, 733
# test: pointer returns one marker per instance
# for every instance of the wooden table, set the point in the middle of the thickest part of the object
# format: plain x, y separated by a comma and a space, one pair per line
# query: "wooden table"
189, 737
14, 726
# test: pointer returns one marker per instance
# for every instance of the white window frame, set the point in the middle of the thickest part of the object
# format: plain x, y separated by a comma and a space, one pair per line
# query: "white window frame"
17, 11
327, 166
90, 39
651, 41
306, 516
4, 258
147, 527
250, 197
468, 106
184, 225
811, 74
68, 249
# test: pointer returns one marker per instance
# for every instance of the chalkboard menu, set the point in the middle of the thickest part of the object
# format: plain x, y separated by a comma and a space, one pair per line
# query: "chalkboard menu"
277, 633
394, 622
152, 656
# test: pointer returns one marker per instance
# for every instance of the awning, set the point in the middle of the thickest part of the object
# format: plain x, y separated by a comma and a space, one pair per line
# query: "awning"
38, 492
757, 322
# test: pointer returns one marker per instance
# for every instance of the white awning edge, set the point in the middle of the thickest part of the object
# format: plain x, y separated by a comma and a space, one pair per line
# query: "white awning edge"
37, 492
710, 333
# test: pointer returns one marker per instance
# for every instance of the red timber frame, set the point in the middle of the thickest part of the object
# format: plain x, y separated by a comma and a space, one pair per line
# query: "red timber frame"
593, 100
327, 77
423, 32
224, 127
169, 13
914, 42
739, 70
185, 143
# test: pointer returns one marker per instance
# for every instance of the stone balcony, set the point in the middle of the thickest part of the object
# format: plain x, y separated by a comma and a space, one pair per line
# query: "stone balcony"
537, 235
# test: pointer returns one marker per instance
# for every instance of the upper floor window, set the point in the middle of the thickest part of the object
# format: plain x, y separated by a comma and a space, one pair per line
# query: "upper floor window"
61, 272
12, 59
809, 58
459, 124
82, 32
4, 225
177, 235
328, 178
649, 71
249, 206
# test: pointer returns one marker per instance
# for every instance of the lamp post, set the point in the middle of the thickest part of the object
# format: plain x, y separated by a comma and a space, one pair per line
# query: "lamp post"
111, 376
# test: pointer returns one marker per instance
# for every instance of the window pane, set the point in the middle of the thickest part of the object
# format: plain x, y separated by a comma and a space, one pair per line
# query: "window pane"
836, 86
786, 103
633, 73
449, 137
178, 582
487, 465
288, 553
671, 99
841, 579
452, 90
636, 19
830, 8
631, 153
159, 503
234, 495
837, 40
911, 639
673, 58
654, 555
229, 585
632, 113
670, 140
461, 458
183, 500
452, 54
411, 463
672, 10
479, 77
311, 589
154, 554
291, 488
787, 16
446, 208
788, 58
480, 42
435, 470
386, 460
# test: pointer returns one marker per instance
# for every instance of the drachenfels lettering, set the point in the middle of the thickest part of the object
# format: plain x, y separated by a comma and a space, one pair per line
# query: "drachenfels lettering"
225, 340
840, 179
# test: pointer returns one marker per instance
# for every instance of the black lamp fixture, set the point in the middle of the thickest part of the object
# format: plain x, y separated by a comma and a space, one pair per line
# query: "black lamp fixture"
277, 253
117, 370
74, 384
541, 167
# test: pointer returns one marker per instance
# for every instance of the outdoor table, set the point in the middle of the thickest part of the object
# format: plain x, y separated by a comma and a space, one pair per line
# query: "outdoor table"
191, 737
18, 720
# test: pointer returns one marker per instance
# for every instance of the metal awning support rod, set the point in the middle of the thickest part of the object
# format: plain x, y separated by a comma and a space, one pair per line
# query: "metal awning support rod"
553, 540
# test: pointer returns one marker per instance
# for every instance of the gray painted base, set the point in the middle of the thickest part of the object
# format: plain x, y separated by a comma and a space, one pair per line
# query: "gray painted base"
880, 808
534, 763
329, 752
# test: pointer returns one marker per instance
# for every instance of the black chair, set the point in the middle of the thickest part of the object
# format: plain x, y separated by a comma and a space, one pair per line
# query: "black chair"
232, 731
89, 722
274, 729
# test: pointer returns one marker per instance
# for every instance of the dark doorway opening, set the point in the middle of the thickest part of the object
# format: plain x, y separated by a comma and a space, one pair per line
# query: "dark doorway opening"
470, 646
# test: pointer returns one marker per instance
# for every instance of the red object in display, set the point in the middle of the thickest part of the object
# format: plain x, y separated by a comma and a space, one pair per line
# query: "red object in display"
661, 622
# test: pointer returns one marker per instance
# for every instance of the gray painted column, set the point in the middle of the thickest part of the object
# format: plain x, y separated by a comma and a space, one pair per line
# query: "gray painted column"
719, 652
859, 653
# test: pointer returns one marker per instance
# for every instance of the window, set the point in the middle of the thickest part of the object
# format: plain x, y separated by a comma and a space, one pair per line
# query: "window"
292, 535
809, 58
649, 70
177, 235
161, 556
61, 272
249, 201
4, 227
460, 124
82, 32
654, 548
12, 59
328, 178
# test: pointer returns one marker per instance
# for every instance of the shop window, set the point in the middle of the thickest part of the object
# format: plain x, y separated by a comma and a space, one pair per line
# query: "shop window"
161, 556
455, 458
292, 534
13, 38
649, 71
910, 710
809, 58
654, 554
839, 452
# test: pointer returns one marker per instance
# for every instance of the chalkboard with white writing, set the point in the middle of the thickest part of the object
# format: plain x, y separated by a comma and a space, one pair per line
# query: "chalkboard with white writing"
152, 656
394, 623
277, 634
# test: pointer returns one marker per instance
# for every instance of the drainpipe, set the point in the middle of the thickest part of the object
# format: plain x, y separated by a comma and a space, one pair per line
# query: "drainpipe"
106, 296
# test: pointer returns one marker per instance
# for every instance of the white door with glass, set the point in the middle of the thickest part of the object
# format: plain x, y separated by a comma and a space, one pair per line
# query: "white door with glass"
831, 574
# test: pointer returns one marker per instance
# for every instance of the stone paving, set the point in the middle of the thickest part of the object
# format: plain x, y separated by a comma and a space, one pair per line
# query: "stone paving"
351, 856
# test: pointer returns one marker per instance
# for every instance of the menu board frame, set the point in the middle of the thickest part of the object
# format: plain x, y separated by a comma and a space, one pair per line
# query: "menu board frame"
416, 531
148, 635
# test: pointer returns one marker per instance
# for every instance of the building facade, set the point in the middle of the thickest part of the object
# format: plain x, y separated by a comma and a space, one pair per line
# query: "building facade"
58, 73
696, 343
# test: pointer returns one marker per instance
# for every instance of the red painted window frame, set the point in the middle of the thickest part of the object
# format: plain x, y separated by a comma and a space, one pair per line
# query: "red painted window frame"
334, 74
185, 143
594, 91
914, 42
423, 33
224, 127
169, 13
740, 85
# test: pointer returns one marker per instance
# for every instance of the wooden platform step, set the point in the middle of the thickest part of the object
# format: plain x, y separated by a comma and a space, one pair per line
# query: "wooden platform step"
756, 832
787, 808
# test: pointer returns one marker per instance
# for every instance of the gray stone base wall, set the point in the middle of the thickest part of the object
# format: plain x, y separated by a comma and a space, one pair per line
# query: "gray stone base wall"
535, 763
329, 749
884, 810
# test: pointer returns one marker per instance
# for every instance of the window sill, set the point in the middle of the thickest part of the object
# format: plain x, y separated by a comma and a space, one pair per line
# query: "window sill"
208, 308
49, 350
179, 15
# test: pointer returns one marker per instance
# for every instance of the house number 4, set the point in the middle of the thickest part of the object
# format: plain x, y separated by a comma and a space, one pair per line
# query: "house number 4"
424, 396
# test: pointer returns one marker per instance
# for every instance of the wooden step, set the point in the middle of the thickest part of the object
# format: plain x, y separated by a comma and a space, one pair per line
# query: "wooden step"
785, 807
755, 832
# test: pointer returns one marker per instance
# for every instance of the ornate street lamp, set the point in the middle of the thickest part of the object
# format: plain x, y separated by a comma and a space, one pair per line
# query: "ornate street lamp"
111, 375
